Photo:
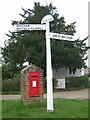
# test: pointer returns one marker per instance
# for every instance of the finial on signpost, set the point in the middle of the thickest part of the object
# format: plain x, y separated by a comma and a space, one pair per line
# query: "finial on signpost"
47, 18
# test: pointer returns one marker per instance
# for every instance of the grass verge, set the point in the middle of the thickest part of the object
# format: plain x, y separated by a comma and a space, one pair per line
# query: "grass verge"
63, 108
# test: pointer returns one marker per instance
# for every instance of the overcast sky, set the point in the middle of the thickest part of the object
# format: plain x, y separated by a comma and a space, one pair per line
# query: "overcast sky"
72, 10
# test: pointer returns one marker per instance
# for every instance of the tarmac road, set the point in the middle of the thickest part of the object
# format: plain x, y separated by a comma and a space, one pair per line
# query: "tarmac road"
77, 94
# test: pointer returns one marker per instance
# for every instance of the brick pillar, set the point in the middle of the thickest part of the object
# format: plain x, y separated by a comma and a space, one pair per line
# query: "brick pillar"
25, 87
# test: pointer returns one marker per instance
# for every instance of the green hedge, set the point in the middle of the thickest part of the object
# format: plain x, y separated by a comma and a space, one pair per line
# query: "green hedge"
11, 85
77, 82
72, 83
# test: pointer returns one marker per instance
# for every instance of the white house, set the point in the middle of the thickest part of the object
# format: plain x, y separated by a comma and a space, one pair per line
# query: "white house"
63, 73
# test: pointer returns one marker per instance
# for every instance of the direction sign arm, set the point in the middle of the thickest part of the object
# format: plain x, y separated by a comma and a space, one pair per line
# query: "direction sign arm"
30, 27
61, 36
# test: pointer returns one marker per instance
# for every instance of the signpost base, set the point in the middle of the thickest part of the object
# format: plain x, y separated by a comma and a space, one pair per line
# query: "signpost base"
50, 110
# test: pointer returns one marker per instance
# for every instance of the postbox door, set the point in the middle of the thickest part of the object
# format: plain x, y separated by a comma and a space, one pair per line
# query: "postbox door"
34, 78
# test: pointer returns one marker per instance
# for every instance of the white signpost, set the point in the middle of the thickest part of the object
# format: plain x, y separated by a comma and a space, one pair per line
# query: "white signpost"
45, 26
50, 107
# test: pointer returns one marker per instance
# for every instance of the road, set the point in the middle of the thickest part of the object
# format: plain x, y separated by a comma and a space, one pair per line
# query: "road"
77, 94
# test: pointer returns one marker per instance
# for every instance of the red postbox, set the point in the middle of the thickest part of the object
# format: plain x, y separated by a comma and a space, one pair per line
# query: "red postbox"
34, 83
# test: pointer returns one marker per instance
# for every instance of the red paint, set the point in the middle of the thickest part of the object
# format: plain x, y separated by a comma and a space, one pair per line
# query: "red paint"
34, 80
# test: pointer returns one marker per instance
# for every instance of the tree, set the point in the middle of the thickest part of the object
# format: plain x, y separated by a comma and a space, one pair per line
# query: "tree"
71, 55
30, 46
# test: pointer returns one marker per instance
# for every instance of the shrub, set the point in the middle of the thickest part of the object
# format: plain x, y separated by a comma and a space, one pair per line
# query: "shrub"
77, 82
11, 85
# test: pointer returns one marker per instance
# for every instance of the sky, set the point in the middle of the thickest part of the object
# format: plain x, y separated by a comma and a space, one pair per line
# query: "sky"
72, 10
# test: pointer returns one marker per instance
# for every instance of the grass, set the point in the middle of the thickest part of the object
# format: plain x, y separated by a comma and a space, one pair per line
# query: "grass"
64, 108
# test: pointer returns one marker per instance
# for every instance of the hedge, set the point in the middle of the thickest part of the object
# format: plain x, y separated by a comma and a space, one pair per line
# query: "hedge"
11, 85
77, 82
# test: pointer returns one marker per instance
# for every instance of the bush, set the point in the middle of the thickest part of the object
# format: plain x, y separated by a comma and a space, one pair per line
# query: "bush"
11, 85
76, 82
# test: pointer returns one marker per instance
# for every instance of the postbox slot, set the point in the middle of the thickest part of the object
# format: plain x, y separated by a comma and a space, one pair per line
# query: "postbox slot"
34, 76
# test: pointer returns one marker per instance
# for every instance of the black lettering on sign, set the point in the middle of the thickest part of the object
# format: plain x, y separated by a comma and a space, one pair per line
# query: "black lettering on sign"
54, 36
59, 36
63, 36
36, 28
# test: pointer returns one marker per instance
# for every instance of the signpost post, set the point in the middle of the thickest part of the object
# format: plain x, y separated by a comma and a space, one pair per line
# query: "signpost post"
50, 108
45, 26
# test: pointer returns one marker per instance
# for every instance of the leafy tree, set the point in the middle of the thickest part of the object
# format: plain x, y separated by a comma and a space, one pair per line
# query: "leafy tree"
69, 54
30, 45
7, 71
